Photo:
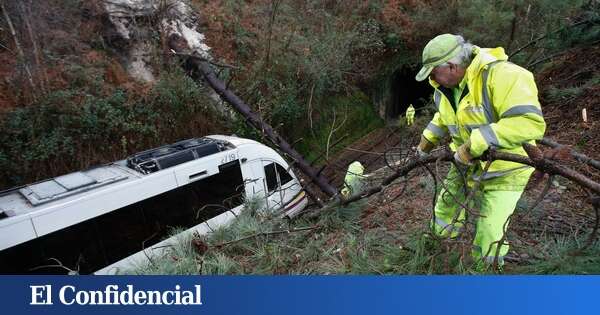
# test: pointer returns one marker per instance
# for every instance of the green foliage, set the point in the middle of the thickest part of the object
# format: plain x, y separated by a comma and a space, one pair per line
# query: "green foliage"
332, 58
301, 60
220, 264
567, 94
85, 79
392, 40
343, 245
354, 117
244, 40
286, 110
510, 24
339, 246
585, 34
561, 255
73, 129
180, 260
351, 211
564, 94
38, 133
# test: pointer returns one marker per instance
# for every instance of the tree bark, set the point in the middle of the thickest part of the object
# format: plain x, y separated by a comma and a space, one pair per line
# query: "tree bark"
19, 48
535, 159
252, 118
26, 12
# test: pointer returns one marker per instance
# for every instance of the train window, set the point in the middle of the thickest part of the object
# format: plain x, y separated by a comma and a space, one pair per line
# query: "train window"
115, 235
271, 176
220, 192
284, 176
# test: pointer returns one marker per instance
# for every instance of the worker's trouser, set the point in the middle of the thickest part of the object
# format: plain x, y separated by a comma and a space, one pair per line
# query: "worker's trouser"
495, 207
410, 120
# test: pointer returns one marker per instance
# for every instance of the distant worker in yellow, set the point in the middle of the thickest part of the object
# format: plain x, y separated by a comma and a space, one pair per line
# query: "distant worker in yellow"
483, 102
353, 179
410, 115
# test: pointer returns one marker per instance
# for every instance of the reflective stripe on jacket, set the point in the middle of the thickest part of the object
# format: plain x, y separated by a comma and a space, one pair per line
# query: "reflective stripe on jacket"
500, 109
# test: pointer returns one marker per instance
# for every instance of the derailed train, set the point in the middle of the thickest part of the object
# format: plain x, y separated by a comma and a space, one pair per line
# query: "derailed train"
115, 216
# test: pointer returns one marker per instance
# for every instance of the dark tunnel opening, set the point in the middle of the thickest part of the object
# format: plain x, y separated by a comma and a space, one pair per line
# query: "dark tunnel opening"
405, 91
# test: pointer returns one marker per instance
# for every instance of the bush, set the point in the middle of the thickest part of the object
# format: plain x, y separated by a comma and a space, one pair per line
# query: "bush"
71, 130
354, 115
510, 24
301, 59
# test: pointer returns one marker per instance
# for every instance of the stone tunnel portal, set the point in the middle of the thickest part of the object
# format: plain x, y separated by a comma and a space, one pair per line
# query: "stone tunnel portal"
405, 90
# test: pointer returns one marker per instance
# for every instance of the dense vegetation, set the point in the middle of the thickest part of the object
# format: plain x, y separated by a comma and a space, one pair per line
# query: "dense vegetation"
345, 241
308, 67
316, 71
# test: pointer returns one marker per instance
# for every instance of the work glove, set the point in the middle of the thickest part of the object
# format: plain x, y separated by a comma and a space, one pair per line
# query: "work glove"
463, 156
425, 146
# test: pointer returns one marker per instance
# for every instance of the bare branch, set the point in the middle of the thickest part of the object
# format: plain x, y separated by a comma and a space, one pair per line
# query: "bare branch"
546, 35
578, 156
333, 130
19, 48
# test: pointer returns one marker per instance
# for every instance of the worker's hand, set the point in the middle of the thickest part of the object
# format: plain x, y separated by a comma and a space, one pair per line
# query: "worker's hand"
345, 192
425, 146
463, 155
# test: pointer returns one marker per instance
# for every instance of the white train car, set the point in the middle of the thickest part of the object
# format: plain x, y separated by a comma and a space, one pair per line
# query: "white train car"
103, 219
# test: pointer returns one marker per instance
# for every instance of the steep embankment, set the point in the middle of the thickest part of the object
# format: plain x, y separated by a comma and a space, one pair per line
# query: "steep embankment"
568, 85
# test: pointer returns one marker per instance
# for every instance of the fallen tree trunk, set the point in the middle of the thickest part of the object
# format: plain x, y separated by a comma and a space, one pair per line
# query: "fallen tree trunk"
535, 159
178, 44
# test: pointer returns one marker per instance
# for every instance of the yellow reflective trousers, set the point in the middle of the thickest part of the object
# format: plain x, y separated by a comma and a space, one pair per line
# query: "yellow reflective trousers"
495, 208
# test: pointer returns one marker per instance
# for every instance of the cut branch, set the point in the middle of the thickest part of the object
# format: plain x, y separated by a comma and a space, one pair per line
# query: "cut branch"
539, 162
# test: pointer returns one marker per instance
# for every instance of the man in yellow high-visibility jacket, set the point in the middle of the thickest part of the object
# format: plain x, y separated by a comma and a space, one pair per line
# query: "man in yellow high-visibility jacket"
483, 101
410, 115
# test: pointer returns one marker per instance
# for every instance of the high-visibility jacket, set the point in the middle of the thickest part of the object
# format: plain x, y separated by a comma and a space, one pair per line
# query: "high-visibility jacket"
352, 180
410, 112
499, 108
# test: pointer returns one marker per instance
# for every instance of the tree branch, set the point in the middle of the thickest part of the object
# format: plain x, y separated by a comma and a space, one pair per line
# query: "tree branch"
578, 156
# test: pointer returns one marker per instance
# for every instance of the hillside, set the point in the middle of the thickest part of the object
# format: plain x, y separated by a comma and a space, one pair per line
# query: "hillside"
95, 81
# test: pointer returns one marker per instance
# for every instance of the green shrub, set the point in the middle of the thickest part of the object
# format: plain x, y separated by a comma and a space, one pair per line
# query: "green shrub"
354, 115
73, 129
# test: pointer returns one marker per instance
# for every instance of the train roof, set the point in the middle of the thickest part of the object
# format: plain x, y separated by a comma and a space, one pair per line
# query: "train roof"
43, 207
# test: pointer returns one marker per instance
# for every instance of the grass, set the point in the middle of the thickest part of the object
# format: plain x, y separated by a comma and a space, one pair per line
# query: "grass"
339, 245
562, 256
357, 114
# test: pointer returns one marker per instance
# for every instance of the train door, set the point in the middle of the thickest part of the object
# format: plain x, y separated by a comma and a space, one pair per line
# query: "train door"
254, 179
271, 182
281, 185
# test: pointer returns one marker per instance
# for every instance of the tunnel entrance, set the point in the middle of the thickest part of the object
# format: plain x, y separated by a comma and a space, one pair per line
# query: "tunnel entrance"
405, 90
